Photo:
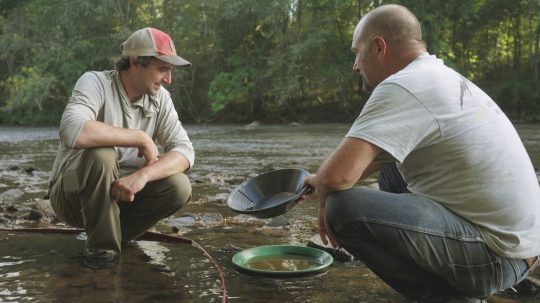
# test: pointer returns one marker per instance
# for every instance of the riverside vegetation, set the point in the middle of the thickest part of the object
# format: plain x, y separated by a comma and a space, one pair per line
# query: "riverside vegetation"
269, 61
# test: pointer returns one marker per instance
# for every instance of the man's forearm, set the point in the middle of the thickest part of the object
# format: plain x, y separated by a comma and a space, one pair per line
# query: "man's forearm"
168, 164
351, 161
97, 134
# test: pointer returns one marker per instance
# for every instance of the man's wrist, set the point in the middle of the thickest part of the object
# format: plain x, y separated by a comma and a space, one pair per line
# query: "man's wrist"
143, 174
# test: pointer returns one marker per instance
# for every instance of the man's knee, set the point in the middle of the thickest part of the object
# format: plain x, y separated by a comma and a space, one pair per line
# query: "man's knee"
353, 205
341, 204
101, 157
180, 189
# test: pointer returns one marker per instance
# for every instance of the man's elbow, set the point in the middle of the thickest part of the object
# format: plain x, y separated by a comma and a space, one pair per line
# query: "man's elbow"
72, 134
335, 182
68, 141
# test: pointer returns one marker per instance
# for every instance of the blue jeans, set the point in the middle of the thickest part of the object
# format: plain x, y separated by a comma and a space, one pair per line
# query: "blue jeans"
418, 247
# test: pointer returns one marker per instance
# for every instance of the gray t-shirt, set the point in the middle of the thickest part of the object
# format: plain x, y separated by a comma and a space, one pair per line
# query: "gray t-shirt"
100, 96
455, 146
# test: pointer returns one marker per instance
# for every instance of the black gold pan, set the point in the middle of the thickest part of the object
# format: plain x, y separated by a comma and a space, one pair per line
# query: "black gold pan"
269, 194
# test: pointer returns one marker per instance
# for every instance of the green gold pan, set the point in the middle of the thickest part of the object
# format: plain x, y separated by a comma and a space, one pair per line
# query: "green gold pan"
282, 260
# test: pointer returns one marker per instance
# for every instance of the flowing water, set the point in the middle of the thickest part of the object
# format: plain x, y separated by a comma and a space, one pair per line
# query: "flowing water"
46, 267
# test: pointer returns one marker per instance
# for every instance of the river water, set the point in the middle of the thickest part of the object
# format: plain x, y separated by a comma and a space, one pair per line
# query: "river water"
45, 268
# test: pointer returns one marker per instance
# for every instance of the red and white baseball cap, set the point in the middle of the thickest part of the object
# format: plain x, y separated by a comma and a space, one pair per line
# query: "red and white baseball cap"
155, 43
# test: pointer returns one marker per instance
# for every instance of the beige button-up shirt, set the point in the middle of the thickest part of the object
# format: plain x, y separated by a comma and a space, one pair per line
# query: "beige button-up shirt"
100, 96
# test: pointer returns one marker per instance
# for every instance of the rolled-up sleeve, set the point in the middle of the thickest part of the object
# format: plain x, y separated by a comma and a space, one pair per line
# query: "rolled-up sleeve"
170, 132
83, 105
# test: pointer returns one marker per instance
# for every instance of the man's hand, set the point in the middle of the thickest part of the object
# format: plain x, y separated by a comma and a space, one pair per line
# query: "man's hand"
125, 188
311, 181
148, 150
323, 233
311, 193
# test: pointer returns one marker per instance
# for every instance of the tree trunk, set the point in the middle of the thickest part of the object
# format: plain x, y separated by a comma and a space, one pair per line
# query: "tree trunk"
360, 14
517, 40
535, 55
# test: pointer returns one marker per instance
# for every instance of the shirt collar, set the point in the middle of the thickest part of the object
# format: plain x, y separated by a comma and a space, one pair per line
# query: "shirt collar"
147, 102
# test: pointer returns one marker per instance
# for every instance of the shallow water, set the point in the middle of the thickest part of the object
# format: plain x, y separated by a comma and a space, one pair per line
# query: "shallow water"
45, 268
287, 263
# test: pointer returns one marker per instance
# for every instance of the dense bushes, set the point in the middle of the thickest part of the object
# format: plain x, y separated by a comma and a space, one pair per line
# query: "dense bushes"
273, 61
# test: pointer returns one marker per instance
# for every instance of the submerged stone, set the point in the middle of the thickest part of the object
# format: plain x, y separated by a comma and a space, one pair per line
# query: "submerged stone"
182, 221
245, 220
14, 167
30, 170
34, 215
12, 209
230, 249
211, 219
4, 221
279, 221
338, 254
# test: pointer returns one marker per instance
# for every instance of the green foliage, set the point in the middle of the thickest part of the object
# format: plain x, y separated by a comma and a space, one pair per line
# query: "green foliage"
276, 60
27, 90
518, 96
230, 87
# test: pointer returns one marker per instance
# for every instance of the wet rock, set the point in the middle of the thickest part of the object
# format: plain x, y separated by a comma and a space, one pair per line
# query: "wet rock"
2, 209
10, 216
30, 170
279, 221
220, 179
184, 221
11, 194
11, 209
4, 221
245, 220
338, 254
222, 197
235, 179
15, 168
216, 179
197, 200
34, 215
230, 249
180, 230
211, 219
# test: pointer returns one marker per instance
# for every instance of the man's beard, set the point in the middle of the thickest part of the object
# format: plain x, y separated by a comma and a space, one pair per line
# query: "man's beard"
150, 91
366, 88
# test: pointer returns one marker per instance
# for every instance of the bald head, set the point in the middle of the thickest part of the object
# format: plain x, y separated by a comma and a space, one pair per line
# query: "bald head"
385, 41
395, 23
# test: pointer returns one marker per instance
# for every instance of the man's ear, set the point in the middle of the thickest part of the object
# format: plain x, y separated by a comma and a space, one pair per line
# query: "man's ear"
381, 46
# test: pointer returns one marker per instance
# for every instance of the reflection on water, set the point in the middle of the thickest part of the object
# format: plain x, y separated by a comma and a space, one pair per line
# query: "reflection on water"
283, 263
45, 268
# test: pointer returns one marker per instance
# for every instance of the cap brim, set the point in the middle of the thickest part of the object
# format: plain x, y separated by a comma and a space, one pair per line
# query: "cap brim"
174, 60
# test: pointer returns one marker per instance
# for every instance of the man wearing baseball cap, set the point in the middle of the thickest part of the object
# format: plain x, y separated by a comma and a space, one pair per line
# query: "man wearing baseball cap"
109, 176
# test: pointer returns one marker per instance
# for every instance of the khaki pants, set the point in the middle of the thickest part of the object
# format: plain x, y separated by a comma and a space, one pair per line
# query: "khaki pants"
81, 197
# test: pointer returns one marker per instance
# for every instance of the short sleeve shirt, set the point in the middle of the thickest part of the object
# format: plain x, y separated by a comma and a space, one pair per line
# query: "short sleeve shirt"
455, 146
